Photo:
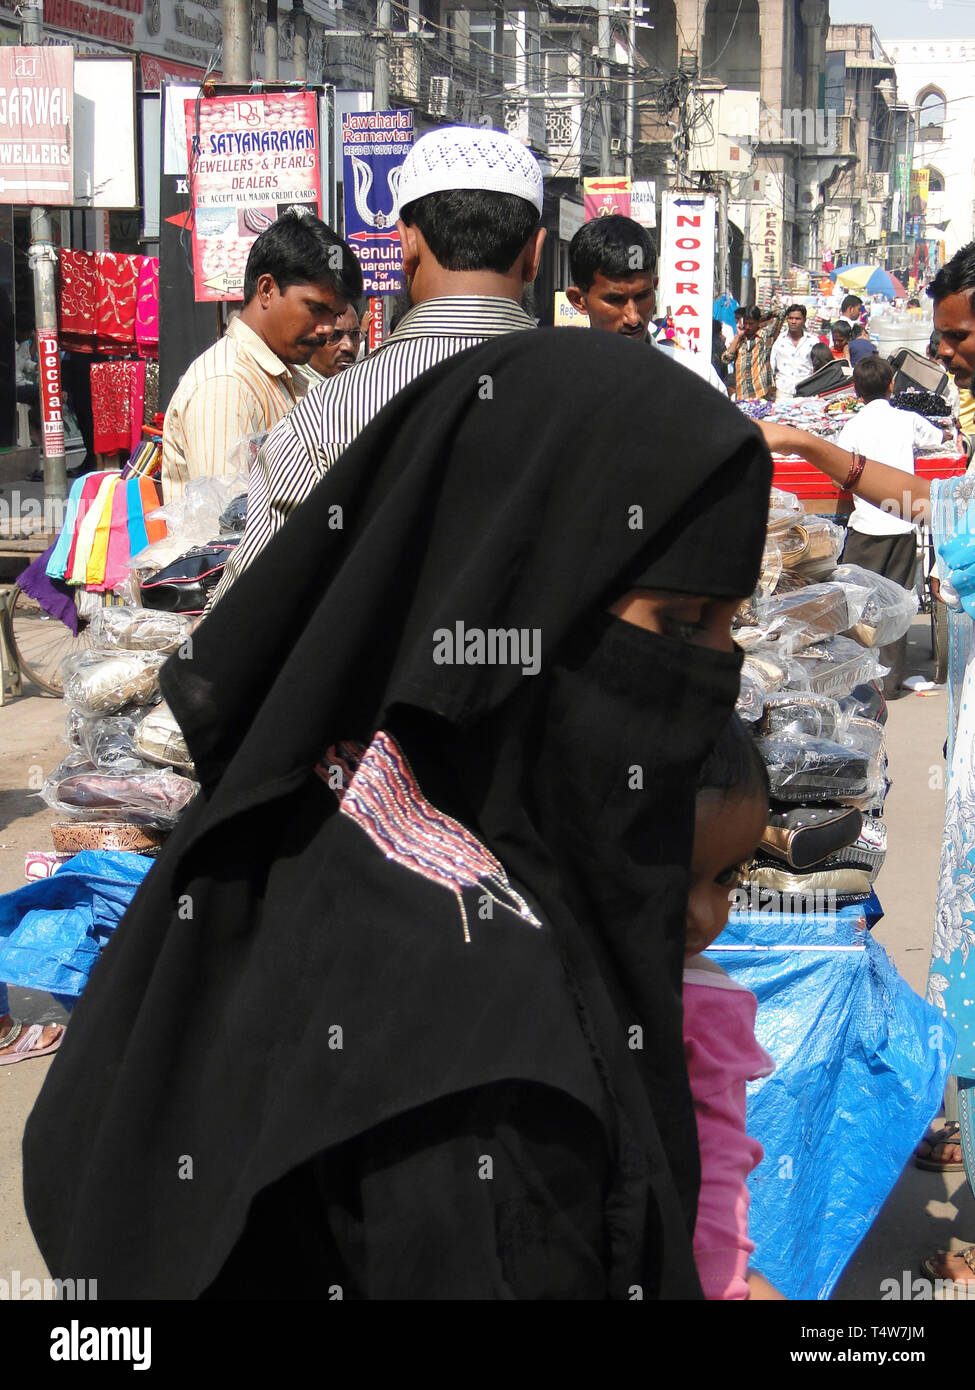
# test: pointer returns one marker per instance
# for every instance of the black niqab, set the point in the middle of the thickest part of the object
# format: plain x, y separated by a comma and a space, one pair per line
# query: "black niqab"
522, 485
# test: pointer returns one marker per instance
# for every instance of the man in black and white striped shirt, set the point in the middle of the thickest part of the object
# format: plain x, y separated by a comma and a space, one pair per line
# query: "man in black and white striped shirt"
470, 203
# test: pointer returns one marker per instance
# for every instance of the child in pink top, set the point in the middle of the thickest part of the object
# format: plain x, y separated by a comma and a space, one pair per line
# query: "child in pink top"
719, 1016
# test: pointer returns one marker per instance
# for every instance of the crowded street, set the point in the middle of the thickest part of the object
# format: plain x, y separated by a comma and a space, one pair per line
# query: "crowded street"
487, 668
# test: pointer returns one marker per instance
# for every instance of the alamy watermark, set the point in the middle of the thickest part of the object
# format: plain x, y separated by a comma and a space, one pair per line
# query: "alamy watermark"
812, 126
17, 1289
493, 646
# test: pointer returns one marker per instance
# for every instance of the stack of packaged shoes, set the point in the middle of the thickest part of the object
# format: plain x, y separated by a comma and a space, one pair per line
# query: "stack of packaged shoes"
811, 693
128, 774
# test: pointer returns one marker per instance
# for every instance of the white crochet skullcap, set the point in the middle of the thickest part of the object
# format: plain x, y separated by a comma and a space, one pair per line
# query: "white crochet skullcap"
469, 157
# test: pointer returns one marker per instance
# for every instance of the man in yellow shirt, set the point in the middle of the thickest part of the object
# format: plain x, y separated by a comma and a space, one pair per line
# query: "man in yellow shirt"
299, 280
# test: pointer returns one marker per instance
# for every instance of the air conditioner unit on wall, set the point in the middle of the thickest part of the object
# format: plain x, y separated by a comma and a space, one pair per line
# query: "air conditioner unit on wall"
878, 185
442, 98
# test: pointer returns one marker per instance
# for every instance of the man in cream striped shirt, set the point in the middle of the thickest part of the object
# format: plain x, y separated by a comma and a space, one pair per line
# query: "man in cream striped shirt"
300, 278
470, 203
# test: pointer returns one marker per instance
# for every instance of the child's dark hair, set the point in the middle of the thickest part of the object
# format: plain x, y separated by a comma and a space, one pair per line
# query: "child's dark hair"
734, 764
820, 356
871, 377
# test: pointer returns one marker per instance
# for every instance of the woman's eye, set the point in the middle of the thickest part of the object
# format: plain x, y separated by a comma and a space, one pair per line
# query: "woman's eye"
685, 631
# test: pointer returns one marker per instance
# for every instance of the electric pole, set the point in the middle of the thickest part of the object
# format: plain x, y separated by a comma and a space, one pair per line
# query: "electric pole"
43, 258
603, 35
380, 86
237, 41
271, 42
300, 21
630, 88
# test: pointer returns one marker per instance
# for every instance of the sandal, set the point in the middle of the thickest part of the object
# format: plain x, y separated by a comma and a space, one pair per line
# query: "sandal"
960, 1289
950, 1133
20, 1043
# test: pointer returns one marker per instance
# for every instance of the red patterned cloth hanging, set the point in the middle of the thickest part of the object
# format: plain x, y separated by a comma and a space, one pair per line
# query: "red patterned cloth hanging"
147, 310
118, 292
112, 391
79, 276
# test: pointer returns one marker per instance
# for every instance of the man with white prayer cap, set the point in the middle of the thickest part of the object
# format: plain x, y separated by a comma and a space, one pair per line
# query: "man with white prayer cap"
469, 207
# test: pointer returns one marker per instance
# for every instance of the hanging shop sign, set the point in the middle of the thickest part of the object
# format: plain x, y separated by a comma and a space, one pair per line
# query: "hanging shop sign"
920, 180
374, 146
52, 406
377, 322
768, 252
250, 159
566, 315
603, 197
36, 119
105, 133
571, 218
643, 202
686, 288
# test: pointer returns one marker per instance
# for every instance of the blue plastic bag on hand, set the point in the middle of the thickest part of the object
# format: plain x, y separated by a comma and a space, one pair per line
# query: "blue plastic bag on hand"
958, 554
53, 931
860, 1067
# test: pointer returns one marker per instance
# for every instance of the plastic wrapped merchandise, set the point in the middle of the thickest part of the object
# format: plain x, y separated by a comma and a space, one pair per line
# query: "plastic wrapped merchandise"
809, 544
865, 702
867, 852
823, 546
108, 742
771, 571
819, 611
192, 520
802, 768
824, 890
780, 634
98, 682
160, 740
77, 790
888, 612
795, 712
834, 668
762, 673
139, 630
74, 730
751, 697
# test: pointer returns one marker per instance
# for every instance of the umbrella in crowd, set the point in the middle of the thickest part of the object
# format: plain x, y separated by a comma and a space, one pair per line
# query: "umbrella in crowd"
869, 279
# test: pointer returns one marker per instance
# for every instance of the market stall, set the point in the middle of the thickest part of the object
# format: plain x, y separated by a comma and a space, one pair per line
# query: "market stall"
825, 417
851, 1042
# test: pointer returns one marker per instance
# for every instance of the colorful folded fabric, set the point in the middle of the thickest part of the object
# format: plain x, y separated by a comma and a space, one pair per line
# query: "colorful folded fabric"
118, 553
151, 501
135, 517
62, 547
95, 569
88, 529
118, 289
88, 494
152, 393
147, 308
112, 394
79, 276
137, 402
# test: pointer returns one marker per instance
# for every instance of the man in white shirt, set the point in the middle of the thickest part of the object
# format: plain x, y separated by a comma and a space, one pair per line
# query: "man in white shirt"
876, 539
851, 309
791, 355
613, 265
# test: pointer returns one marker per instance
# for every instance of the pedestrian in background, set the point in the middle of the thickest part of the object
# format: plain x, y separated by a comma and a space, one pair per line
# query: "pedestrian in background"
300, 277
751, 352
792, 352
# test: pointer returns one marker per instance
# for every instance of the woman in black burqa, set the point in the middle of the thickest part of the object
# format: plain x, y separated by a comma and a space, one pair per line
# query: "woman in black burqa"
462, 885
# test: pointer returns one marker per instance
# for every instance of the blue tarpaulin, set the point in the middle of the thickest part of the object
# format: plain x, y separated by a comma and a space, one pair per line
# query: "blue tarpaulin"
861, 1062
53, 931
